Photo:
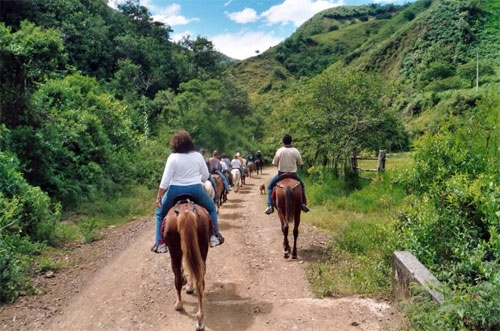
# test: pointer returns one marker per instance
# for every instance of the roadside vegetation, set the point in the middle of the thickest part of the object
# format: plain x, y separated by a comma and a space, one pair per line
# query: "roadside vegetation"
85, 118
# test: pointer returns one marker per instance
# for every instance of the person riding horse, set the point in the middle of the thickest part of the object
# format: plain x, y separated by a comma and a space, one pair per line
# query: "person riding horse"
226, 167
287, 159
259, 162
215, 167
184, 172
207, 162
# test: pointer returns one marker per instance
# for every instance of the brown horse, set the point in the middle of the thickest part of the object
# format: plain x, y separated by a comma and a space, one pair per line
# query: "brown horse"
186, 230
258, 166
287, 197
221, 191
251, 168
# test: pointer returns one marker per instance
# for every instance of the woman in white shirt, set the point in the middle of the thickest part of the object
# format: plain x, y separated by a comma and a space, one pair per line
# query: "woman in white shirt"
184, 173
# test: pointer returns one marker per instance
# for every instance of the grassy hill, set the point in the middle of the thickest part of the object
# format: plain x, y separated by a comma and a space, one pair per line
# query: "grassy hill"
429, 48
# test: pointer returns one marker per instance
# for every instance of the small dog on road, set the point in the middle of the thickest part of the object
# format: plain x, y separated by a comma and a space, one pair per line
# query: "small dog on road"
262, 189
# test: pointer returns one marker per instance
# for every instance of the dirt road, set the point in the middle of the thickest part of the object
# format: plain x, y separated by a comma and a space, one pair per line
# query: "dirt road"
118, 284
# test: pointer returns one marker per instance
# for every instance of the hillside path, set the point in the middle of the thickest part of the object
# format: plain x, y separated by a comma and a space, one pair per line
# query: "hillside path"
117, 283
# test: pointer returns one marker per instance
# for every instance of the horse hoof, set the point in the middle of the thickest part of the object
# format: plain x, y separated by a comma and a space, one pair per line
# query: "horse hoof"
294, 257
178, 306
286, 255
189, 291
200, 327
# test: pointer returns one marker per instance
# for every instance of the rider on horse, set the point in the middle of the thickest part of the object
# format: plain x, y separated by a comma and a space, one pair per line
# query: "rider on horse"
287, 159
212, 180
183, 174
226, 167
236, 163
215, 167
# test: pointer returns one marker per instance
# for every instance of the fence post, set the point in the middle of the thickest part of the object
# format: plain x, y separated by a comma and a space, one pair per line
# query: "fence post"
381, 160
354, 160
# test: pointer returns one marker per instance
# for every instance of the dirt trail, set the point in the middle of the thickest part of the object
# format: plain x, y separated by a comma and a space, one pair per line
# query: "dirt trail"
118, 284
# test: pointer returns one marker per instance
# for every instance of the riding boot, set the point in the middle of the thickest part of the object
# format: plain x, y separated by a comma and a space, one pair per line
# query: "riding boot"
304, 207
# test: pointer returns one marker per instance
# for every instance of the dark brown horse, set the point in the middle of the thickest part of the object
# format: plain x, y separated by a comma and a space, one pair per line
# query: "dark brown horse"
186, 230
258, 166
287, 198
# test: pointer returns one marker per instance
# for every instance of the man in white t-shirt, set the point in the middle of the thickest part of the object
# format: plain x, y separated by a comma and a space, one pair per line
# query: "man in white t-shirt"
287, 159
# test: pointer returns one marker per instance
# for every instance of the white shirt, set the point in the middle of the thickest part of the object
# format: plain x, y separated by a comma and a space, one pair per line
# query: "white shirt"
235, 164
223, 165
184, 169
287, 159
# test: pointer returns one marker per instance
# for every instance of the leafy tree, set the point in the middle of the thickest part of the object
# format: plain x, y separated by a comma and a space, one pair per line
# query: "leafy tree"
79, 143
342, 110
204, 57
28, 57
469, 71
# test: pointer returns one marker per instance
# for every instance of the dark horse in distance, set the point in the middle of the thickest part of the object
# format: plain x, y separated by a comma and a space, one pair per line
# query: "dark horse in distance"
287, 197
186, 230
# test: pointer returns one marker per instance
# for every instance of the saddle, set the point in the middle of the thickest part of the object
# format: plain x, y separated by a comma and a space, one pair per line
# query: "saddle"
286, 176
189, 199
184, 198
280, 185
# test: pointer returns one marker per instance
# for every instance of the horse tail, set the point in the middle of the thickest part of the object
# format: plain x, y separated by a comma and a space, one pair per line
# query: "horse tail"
187, 225
289, 204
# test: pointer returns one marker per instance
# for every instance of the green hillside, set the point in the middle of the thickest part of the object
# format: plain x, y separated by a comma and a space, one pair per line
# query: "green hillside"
428, 48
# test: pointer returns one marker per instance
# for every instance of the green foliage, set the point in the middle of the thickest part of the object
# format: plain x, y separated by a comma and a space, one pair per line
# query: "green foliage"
344, 110
76, 145
88, 228
26, 216
357, 258
28, 211
28, 57
451, 221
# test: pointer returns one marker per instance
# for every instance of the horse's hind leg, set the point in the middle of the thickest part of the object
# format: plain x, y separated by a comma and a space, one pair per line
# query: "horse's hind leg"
200, 287
179, 279
286, 245
295, 236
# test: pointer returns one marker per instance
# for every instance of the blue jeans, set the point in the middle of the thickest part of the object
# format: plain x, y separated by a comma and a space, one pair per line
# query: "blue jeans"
224, 179
200, 197
273, 183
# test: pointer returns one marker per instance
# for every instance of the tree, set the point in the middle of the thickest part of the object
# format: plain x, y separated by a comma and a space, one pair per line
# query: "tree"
28, 57
340, 110
469, 70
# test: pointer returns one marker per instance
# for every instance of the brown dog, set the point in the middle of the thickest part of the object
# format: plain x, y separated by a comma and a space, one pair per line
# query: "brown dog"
262, 189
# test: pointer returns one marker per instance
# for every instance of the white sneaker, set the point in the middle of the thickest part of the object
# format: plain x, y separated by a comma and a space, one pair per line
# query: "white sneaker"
214, 241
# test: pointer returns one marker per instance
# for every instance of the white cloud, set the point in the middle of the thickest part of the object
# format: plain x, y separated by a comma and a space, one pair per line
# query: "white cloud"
297, 11
175, 37
247, 15
171, 15
244, 44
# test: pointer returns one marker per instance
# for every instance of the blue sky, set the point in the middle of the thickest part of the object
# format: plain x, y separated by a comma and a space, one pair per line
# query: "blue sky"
240, 28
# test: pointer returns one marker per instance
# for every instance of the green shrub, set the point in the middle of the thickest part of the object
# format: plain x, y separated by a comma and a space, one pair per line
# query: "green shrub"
451, 221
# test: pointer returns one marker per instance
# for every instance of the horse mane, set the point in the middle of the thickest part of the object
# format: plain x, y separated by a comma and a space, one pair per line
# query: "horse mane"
193, 262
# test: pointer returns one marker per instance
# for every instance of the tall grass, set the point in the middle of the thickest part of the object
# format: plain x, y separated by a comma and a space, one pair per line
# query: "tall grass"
358, 259
86, 224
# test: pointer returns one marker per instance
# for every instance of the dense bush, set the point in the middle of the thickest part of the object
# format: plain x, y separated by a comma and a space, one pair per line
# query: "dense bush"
452, 219
78, 143
26, 216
